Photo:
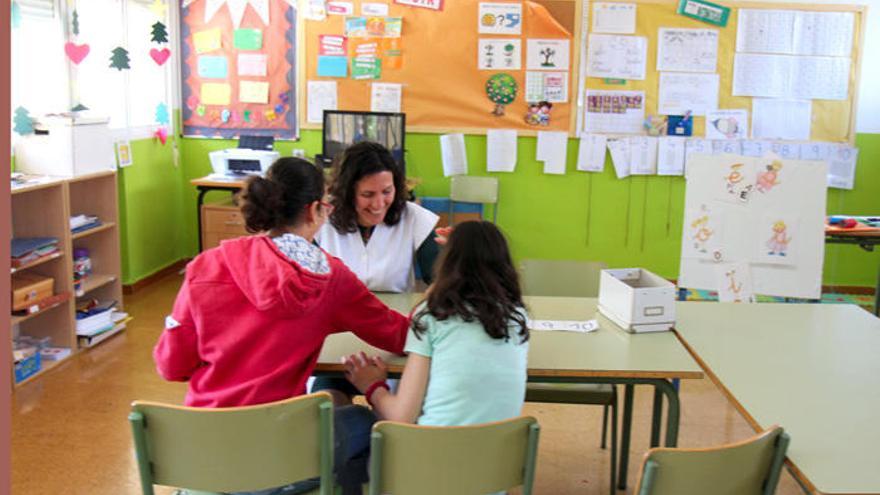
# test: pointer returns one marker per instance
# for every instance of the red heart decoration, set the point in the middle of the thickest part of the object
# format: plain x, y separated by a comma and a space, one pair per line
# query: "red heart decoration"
160, 56
76, 53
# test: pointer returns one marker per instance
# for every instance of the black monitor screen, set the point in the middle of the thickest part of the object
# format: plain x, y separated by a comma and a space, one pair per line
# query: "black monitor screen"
344, 128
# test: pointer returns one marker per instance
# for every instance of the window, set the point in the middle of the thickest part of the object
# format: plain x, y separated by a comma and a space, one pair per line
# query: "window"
39, 71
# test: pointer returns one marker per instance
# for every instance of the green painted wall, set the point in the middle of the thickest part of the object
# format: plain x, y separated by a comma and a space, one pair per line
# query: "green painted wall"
631, 222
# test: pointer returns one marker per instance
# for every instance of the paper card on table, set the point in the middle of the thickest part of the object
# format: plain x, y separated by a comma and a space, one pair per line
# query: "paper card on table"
618, 148
552, 148
547, 54
670, 155
842, 166
585, 326
757, 148
340, 8
215, 93
332, 44
454, 154
207, 40
247, 39
591, 153
393, 27
371, 8
500, 150
781, 119
252, 64
253, 92
500, 18
735, 282
499, 54
703, 233
728, 146
776, 238
332, 66
643, 155
385, 97
316, 10
617, 57
727, 124
687, 50
321, 96
618, 112
681, 93
356, 27
789, 151
616, 18
213, 67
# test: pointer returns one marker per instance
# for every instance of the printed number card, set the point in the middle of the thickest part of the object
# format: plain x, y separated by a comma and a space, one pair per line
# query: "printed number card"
500, 18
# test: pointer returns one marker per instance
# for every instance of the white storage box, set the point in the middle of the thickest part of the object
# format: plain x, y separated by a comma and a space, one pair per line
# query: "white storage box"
637, 300
71, 147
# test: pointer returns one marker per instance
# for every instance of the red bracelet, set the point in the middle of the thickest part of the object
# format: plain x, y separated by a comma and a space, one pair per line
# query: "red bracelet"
372, 388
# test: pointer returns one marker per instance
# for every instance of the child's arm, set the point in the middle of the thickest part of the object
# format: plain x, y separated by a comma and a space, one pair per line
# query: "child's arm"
404, 406
361, 312
177, 354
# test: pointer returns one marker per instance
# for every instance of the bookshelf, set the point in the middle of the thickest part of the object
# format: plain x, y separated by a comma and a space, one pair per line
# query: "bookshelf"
43, 209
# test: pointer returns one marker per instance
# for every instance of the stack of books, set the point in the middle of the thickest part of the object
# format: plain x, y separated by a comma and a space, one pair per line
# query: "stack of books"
98, 322
79, 223
26, 250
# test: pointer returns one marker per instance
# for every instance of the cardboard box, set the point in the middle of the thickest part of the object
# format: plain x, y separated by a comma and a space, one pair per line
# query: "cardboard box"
66, 147
29, 288
637, 300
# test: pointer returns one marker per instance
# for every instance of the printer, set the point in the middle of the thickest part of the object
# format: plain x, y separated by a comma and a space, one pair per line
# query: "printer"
253, 156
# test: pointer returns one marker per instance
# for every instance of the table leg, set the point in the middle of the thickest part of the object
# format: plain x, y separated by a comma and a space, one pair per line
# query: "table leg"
673, 414
199, 201
625, 437
655, 417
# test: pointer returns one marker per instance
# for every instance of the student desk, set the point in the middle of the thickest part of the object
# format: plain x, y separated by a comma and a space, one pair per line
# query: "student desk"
865, 239
212, 183
813, 369
608, 355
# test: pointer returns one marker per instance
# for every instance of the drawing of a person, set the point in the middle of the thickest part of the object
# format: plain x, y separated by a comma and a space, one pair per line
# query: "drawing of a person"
702, 233
733, 286
778, 242
544, 112
734, 177
533, 116
766, 180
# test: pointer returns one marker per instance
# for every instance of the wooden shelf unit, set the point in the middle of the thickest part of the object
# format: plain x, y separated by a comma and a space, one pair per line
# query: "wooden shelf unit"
44, 210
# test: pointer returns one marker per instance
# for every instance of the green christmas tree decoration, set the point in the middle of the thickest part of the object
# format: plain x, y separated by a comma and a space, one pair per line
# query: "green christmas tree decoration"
160, 34
501, 90
24, 125
79, 108
15, 15
75, 22
119, 60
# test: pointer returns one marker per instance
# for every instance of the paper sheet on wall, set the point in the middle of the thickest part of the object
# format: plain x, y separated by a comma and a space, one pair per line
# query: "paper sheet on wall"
374, 9
728, 146
215, 93
499, 54
332, 44
213, 67
842, 166
825, 78
727, 124
454, 154
681, 93
618, 148
321, 96
591, 153
617, 57
614, 112
500, 18
546, 86
735, 282
687, 50
787, 150
615, 18
643, 155
670, 155
252, 64
552, 148
781, 119
316, 10
696, 147
547, 54
703, 232
795, 32
755, 147
584, 326
385, 97
253, 92
776, 238
500, 150
207, 40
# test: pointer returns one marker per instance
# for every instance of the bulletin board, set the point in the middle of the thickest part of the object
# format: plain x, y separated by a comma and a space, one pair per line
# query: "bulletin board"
442, 87
831, 120
238, 77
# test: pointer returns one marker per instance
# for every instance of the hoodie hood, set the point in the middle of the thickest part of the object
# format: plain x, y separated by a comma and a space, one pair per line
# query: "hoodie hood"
269, 279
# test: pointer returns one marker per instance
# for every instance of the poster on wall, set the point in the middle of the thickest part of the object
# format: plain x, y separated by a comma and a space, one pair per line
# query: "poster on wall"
239, 69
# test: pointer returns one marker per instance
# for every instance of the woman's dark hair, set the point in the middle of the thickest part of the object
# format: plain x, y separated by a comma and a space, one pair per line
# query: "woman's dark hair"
278, 199
356, 162
475, 279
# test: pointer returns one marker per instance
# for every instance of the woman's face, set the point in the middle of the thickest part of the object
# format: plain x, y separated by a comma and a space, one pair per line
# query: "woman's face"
373, 195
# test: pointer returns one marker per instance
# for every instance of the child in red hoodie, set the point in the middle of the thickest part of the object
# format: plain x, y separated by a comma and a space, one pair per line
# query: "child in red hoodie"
250, 319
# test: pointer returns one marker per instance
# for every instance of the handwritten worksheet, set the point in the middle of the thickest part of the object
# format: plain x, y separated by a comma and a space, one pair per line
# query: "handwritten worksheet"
591, 153
614, 112
643, 155
670, 155
618, 57
824, 78
321, 96
500, 150
684, 92
795, 32
615, 18
776, 118
687, 50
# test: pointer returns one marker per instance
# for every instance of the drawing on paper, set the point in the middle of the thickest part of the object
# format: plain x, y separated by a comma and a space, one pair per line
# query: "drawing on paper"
768, 178
735, 283
729, 126
701, 233
735, 182
779, 239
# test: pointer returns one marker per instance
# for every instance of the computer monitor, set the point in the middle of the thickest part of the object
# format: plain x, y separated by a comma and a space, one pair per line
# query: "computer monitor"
343, 128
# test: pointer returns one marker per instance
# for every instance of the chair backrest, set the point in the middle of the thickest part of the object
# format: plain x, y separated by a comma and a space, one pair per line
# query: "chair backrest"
451, 460
748, 467
470, 189
560, 278
234, 449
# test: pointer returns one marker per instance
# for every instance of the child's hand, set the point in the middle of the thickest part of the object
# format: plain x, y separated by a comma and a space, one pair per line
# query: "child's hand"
442, 235
363, 371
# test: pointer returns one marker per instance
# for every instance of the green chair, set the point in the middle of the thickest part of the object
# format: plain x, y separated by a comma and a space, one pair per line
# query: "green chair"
470, 189
234, 449
568, 278
750, 467
453, 460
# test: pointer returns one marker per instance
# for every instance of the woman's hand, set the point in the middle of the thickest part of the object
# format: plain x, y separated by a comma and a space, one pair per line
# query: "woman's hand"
442, 235
363, 371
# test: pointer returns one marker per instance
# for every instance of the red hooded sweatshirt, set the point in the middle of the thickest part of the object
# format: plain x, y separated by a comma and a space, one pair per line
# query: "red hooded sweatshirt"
248, 323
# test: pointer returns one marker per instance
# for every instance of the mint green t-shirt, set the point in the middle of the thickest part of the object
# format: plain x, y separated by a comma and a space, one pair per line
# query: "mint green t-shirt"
474, 378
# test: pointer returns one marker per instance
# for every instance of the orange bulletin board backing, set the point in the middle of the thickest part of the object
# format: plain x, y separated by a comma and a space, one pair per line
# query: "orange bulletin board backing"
442, 87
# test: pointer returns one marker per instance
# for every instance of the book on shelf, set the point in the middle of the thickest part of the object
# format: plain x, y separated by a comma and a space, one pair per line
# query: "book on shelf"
92, 340
26, 250
54, 353
44, 303
81, 223
94, 318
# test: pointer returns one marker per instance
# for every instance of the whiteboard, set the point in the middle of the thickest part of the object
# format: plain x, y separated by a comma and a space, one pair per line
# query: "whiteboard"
767, 212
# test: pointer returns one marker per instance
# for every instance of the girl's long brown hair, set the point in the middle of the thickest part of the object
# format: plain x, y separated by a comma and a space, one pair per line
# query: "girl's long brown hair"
475, 280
